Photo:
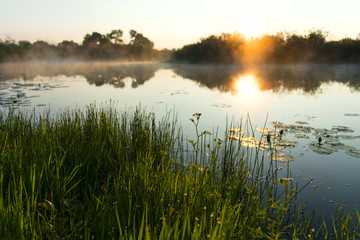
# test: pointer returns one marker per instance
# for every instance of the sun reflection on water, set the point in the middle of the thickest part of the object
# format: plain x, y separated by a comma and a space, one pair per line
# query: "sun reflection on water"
247, 87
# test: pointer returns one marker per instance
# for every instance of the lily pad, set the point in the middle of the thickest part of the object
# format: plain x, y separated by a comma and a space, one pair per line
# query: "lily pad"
250, 144
342, 129
277, 124
346, 147
353, 152
323, 149
301, 122
336, 144
301, 135
324, 131
236, 130
346, 136
286, 143
233, 137
264, 146
266, 130
271, 136
281, 157
247, 138
248, 141
330, 139
352, 114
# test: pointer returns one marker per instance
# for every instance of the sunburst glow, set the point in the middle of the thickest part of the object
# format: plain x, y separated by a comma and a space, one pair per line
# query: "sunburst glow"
250, 28
247, 86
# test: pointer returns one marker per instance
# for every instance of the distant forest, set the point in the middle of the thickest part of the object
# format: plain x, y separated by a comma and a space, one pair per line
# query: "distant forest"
279, 48
223, 49
95, 46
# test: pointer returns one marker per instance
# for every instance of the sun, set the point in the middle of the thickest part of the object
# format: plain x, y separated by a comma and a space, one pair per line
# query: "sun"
250, 28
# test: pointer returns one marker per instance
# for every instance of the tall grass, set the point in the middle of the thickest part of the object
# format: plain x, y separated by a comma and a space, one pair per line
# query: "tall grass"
100, 174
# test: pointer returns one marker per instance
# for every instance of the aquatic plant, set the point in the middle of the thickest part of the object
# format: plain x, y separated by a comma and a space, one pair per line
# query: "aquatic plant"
99, 174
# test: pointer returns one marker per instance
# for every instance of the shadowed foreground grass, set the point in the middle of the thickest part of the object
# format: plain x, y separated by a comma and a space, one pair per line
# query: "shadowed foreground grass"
99, 174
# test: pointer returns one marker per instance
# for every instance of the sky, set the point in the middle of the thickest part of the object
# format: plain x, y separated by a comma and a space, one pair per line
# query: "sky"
172, 24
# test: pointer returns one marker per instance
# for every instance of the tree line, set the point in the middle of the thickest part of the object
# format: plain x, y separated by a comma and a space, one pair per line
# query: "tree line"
225, 49
95, 46
279, 48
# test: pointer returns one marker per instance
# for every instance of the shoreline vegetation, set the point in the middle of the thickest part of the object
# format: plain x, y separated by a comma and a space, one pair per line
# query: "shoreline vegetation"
100, 174
226, 48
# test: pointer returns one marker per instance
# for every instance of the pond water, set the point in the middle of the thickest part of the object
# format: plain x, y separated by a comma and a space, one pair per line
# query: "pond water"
315, 107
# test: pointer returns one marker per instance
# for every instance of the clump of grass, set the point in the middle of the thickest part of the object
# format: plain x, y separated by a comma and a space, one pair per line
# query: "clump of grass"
101, 174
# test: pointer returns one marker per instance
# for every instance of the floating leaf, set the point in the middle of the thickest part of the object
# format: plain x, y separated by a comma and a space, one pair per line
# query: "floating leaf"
247, 138
248, 141
281, 157
236, 130
353, 152
346, 136
323, 149
342, 129
346, 147
266, 130
269, 137
330, 138
233, 137
352, 114
336, 144
277, 124
301, 122
324, 132
293, 128
250, 144
301, 135
286, 143
264, 146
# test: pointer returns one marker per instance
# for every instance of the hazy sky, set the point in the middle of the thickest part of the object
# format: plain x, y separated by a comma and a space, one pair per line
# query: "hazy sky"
172, 24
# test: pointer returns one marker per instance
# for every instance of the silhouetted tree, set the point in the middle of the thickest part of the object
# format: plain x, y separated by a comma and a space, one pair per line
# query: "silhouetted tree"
226, 48
95, 39
116, 36
68, 49
140, 46
24, 44
41, 50
9, 50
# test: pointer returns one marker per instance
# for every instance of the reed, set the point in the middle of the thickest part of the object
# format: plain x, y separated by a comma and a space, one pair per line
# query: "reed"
99, 174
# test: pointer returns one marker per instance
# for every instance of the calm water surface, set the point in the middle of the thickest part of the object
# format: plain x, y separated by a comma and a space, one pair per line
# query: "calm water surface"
312, 100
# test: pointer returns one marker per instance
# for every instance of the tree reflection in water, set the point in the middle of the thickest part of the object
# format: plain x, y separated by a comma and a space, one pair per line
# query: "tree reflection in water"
276, 78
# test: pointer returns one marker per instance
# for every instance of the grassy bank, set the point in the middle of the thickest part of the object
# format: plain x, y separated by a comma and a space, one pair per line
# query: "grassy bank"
99, 174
